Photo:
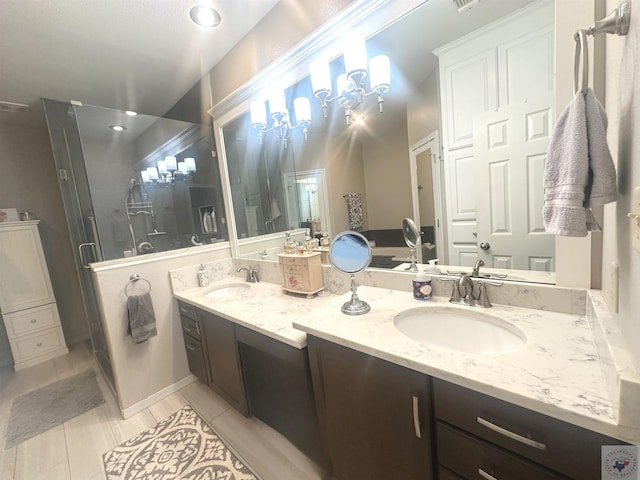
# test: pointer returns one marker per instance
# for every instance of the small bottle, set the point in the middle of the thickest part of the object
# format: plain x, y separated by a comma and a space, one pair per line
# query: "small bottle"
432, 267
422, 286
307, 241
325, 239
289, 245
203, 276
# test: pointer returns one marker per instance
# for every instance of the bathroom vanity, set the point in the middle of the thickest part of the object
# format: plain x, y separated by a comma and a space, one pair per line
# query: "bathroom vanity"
381, 404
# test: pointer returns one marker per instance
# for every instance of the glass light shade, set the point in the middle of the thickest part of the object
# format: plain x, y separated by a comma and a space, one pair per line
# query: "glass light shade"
355, 55
380, 72
182, 167
145, 176
277, 102
172, 165
190, 164
302, 109
320, 76
258, 113
343, 84
162, 167
153, 173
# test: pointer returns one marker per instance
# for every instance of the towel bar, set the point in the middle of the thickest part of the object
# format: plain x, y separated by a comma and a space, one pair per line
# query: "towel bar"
133, 279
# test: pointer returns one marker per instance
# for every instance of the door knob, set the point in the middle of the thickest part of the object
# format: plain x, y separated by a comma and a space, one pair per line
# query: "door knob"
485, 245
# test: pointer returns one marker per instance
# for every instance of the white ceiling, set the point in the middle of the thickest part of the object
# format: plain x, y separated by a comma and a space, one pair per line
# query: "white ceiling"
141, 55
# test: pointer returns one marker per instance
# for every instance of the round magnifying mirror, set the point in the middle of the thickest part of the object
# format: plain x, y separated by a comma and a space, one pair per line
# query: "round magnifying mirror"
411, 238
350, 253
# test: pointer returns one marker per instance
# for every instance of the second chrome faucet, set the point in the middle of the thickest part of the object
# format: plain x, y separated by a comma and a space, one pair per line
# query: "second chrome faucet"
252, 275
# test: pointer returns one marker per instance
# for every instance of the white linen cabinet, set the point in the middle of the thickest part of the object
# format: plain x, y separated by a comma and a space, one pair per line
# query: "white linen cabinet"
27, 303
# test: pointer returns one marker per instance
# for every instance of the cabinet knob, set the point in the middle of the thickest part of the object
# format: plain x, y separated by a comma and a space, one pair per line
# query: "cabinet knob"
39, 344
33, 320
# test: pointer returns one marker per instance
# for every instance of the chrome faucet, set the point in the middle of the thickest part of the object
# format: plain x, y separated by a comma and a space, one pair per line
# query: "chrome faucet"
476, 268
467, 284
252, 275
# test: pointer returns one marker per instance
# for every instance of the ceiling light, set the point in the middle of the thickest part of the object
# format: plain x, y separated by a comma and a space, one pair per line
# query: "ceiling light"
205, 16
131, 113
117, 128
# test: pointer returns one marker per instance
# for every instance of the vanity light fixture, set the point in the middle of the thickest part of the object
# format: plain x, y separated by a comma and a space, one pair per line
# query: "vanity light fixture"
205, 16
281, 123
167, 171
117, 128
351, 88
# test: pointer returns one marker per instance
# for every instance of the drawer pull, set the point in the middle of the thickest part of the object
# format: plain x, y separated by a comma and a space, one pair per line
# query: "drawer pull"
416, 417
39, 344
191, 347
33, 320
198, 326
485, 475
511, 435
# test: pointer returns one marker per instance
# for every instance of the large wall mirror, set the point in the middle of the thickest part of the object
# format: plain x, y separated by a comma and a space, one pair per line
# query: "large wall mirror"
459, 146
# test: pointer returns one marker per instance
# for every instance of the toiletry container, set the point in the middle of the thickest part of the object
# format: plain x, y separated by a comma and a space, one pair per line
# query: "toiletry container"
289, 245
432, 267
422, 286
203, 276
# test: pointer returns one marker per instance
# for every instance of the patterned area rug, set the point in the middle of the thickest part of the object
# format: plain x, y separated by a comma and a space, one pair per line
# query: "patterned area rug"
180, 447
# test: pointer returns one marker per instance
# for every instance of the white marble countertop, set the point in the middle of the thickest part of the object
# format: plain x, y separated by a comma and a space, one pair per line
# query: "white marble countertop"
556, 373
265, 308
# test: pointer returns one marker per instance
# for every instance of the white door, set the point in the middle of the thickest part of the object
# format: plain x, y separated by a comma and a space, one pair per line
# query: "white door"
510, 148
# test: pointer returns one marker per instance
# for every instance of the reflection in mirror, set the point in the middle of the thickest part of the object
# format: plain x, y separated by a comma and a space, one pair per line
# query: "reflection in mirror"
479, 85
350, 253
412, 239
153, 185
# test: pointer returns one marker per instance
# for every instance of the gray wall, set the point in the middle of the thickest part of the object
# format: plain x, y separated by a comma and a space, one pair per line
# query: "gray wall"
28, 182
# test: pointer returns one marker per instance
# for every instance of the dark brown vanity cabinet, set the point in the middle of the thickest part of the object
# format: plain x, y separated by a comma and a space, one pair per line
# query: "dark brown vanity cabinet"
193, 341
279, 390
374, 415
223, 359
477, 433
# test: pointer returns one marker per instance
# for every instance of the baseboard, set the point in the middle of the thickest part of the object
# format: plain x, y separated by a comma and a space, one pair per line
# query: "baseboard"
156, 397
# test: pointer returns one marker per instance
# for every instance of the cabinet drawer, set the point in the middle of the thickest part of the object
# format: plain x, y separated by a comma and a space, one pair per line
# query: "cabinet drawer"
190, 327
474, 459
195, 358
33, 345
31, 320
187, 310
565, 448
444, 474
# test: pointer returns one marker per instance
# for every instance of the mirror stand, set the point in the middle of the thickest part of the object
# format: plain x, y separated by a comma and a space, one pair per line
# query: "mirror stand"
355, 306
413, 267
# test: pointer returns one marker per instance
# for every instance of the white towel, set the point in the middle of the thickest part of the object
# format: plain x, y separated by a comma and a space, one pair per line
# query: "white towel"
579, 171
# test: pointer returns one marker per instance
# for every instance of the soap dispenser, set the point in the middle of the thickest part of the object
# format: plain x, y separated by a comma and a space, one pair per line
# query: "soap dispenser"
203, 276
432, 267
422, 286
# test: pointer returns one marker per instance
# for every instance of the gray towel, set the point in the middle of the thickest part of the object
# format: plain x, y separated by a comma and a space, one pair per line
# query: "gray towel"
602, 181
142, 320
579, 172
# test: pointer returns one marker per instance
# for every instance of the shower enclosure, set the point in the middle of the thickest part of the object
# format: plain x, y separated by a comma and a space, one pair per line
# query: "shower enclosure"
121, 198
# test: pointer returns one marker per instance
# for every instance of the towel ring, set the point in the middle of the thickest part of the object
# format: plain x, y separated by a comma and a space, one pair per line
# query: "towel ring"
582, 50
133, 279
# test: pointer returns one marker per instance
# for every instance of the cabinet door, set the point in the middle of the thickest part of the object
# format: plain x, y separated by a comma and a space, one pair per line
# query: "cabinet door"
195, 357
225, 372
374, 415
24, 278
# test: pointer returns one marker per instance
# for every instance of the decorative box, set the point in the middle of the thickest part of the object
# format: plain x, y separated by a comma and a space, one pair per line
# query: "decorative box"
301, 272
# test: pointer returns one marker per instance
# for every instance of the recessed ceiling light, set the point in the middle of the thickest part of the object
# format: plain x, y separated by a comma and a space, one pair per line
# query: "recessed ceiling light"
117, 128
131, 113
205, 16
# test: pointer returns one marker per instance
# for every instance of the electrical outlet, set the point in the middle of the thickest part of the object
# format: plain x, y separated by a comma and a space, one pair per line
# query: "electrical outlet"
613, 287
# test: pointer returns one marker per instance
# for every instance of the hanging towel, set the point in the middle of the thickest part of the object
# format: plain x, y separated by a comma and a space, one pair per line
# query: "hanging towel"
602, 186
142, 320
275, 209
354, 206
578, 164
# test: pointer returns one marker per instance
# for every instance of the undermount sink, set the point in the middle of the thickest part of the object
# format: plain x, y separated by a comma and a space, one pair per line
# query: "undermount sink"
467, 331
229, 290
